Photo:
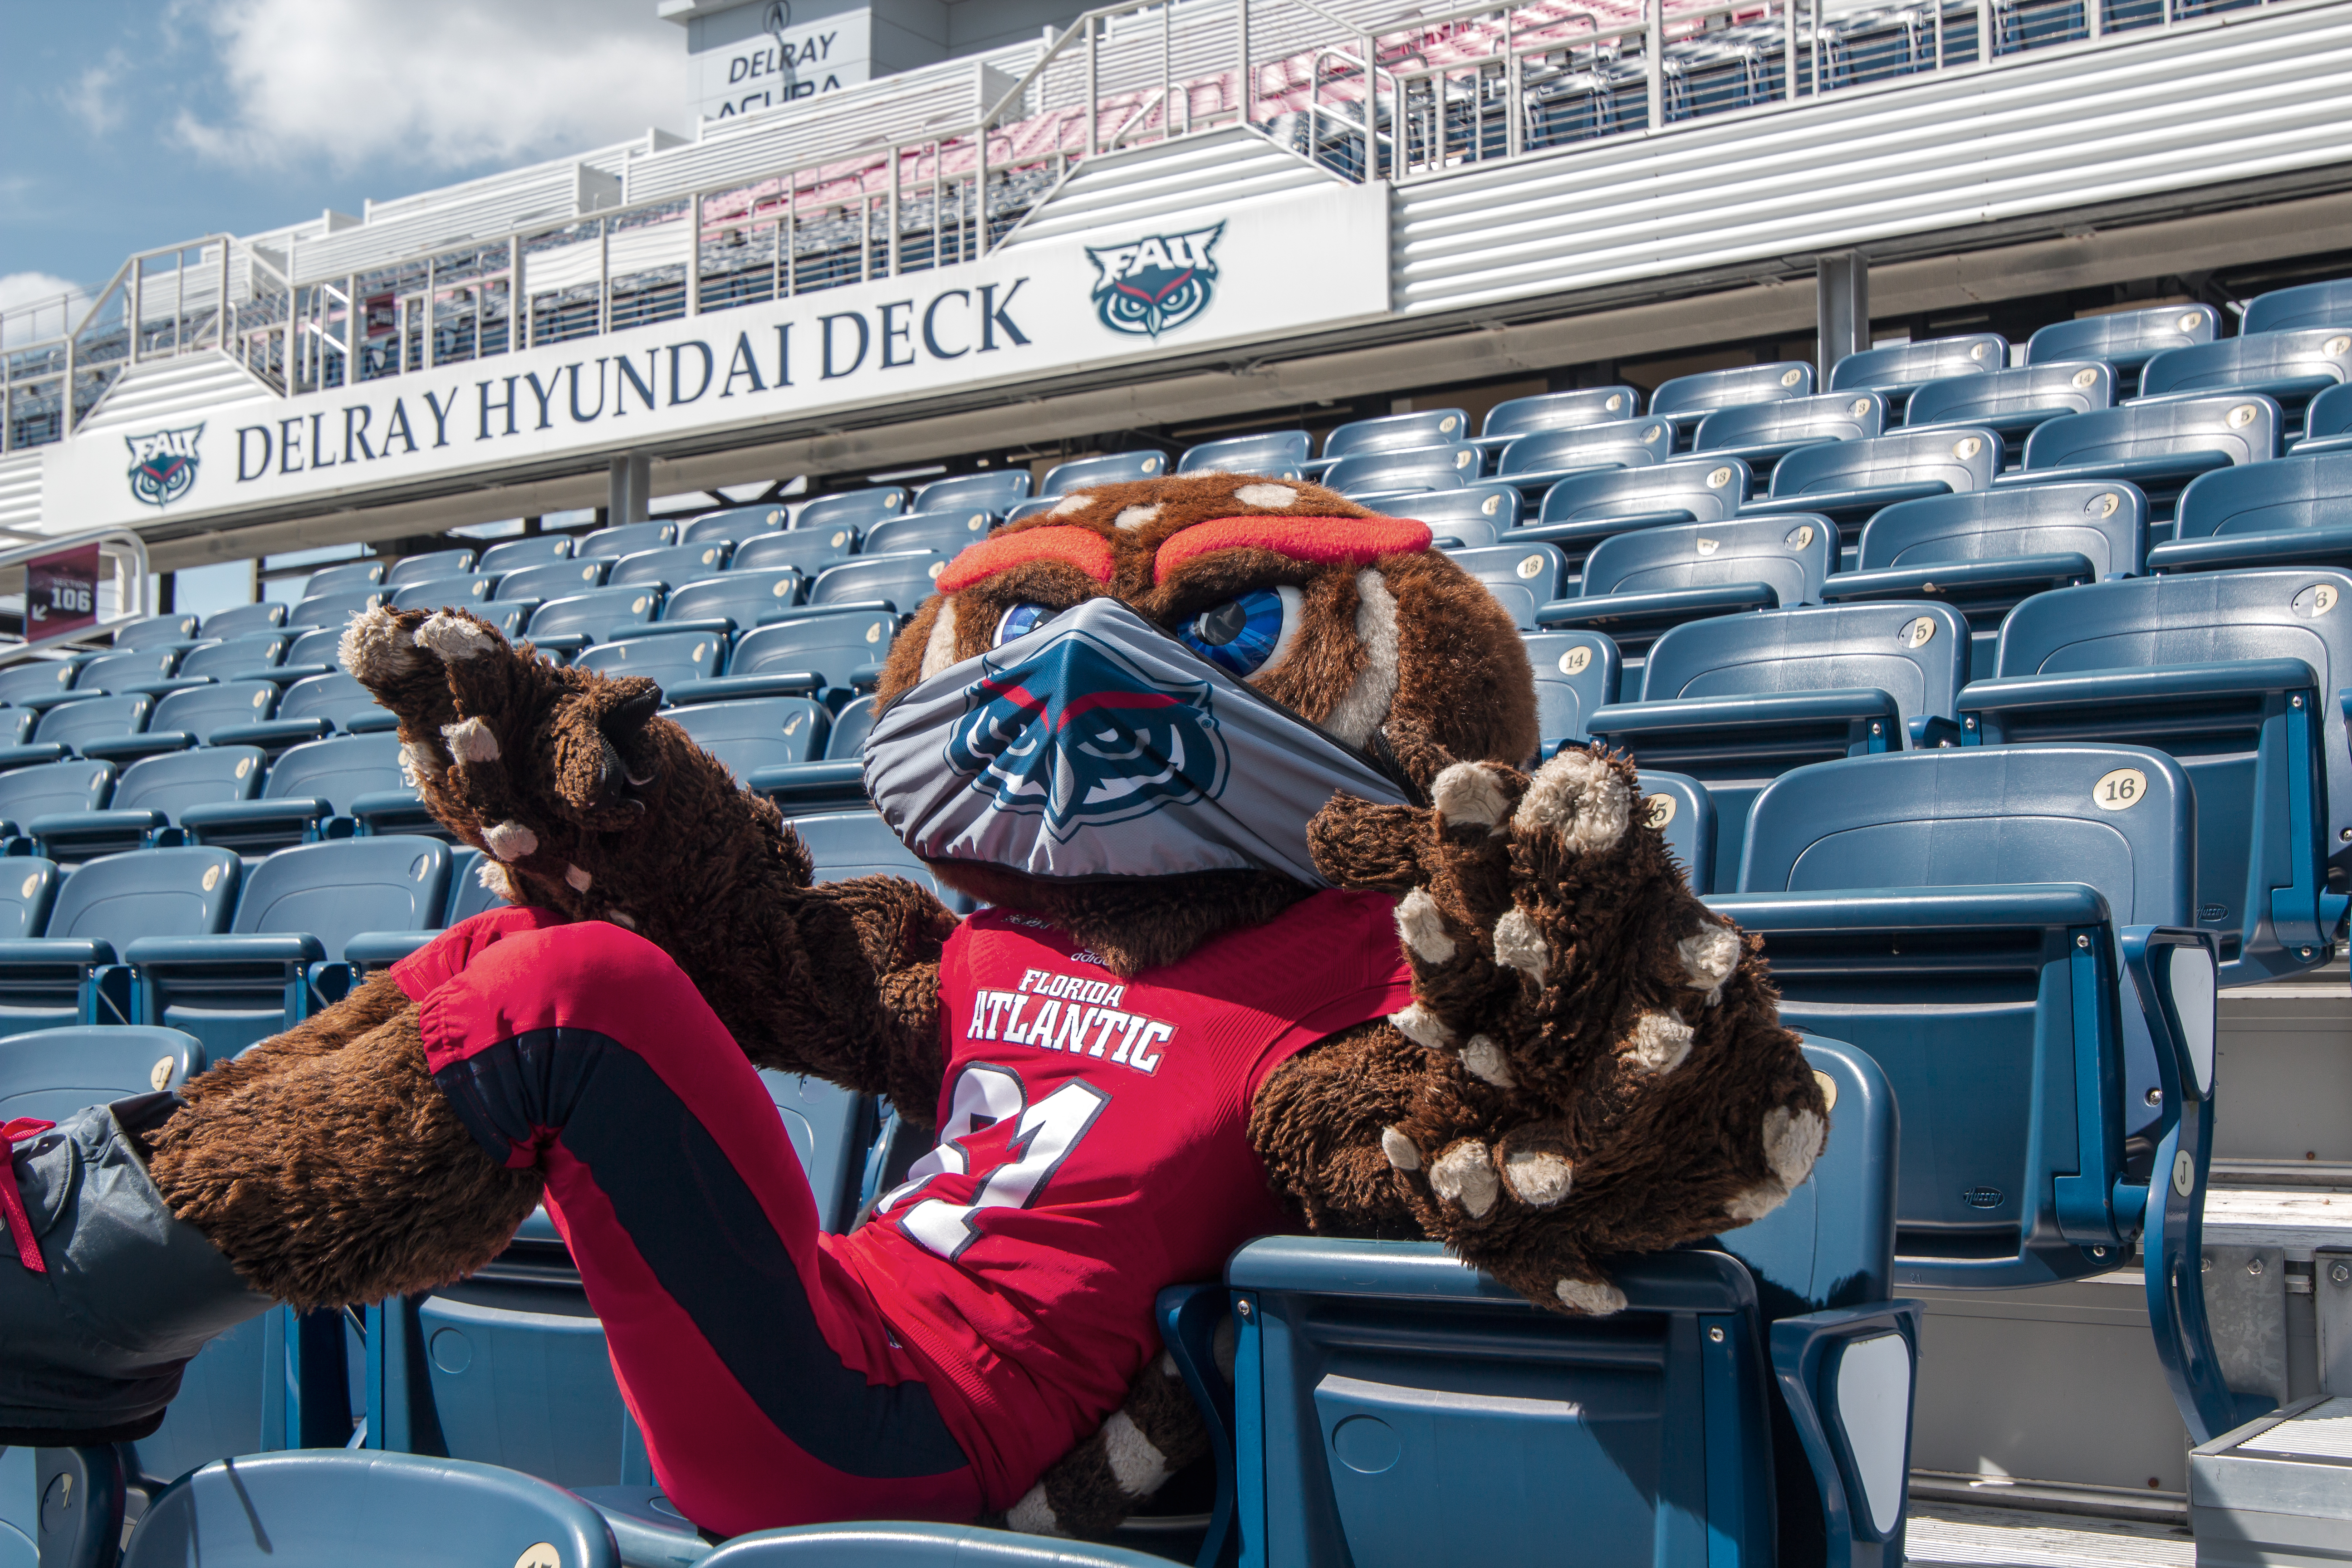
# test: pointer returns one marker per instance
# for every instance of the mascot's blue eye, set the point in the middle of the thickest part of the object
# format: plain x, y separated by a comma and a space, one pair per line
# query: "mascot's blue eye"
1244, 635
1020, 621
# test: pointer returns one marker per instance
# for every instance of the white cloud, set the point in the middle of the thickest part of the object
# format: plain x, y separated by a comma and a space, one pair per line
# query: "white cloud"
35, 305
434, 85
93, 98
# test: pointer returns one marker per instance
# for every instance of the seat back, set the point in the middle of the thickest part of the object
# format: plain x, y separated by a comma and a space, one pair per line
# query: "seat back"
338, 888
1395, 432
1793, 422
1111, 468
236, 656
743, 597
625, 540
757, 732
1475, 513
173, 781
1540, 569
118, 899
1794, 555
672, 564
2006, 394
2268, 361
70, 785
1275, 454
556, 579
521, 554
2106, 524
959, 492
333, 612
1915, 653
1683, 811
902, 581
2292, 493
341, 578
2327, 304
1907, 365
1620, 444
854, 509
102, 718
444, 593
2328, 416
428, 567
2124, 338
1414, 468
37, 677
25, 893
338, 771
53, 1073
859, 844
201, 709
1831, 1244
734, 524
1959, 459
807, 551
240, 620
944, 531
320, 645
335, 696
1561, 410
836, 647
114, 672
1575, 672
364, 1509
847, 740
665, 661
2244, 428
1687, 398
595, 612
156, 631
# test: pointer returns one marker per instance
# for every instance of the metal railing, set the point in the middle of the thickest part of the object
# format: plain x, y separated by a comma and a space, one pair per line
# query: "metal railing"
1394, 99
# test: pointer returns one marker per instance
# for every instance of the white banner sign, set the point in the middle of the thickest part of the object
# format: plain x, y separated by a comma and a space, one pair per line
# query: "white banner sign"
784, 62
1214, 276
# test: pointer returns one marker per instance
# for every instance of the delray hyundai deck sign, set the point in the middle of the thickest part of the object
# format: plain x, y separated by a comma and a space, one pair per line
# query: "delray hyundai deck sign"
1026, 313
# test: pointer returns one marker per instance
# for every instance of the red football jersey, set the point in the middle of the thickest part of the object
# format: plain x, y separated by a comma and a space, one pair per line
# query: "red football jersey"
1093, 1150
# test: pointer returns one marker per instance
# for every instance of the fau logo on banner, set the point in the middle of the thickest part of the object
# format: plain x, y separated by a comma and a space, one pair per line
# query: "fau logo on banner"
1155, 285
163, 464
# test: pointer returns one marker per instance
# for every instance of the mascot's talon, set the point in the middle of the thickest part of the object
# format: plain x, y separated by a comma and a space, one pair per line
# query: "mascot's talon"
1578, 795
1659, 1044
1538, 1178
1792, 1140
1593, 1298
1470, 794
1465, 1174
1400, 1151
1423, 926
1485, 1061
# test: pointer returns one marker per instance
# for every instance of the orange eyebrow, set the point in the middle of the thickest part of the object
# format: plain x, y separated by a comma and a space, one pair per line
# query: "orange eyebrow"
1082, 548
1321, 541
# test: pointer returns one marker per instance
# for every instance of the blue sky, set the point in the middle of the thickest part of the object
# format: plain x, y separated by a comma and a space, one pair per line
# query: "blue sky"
131, 125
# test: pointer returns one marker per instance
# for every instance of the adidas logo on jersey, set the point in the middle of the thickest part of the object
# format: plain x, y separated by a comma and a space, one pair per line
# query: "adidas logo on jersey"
1069, 1013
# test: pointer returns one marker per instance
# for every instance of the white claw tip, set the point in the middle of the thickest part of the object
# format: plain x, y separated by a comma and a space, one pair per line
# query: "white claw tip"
510, 841
576, 878
1400, 1149
470, 740
622, 917
1468, 794
1792, 1138
1756, 1203
1485, 1060
1659, 1043
493, 876
1032, 1515
1709, 956
1580, 797
1465, 1174
1423, 927
1520, 946
455, 638
372, 649
1538, 1178
1422, 1027
1594, 1299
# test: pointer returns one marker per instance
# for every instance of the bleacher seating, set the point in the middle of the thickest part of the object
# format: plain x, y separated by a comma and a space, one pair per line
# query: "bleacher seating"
1895, 371
2327, 304
518, 554
334, 611
1534, 463
1522, 577
37, 677
1412, 468
1576, 675
755, 732
1683, 811
445, 592
25, 893
201, 713
1686, 400
67, 973
1111, 469
1471, 515
308, 786
854, 509
152, 794
806, 551
902, 581
671, 563
314, 651
427, 568
69, 725
836, 782
665, 659
2159, 447
1391, 433
841, 649
626, 538
2012, 401
988, 492
734, 524
741, 597
2124, 340
1277, 454
234, 656
50, 787
1636, 585
572, 622
2326, 423
156, 631
124, 671
240, 620
1582, 510
2290, 512
1517, 417
2289, 368
342, 578
1846, 481
1761, 434
555, 580
944, 531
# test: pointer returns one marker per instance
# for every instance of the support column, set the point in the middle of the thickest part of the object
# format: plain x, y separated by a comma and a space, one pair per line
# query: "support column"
1842, 284
629, 491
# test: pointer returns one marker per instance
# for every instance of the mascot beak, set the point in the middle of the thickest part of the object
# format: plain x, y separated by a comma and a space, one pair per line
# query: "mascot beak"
1099, 745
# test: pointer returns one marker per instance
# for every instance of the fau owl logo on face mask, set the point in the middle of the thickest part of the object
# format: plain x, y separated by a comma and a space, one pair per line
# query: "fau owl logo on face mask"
1083, 737
1155, 285
163, 464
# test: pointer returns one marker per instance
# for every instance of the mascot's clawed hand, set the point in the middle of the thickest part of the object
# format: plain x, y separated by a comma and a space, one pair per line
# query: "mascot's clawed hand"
1164, 723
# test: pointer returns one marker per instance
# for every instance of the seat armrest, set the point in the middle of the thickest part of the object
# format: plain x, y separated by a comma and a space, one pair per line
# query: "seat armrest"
224, 818
2161, 471
288, 674
2294, 547
2043, 904
1845, 504
298, 949
727, 688
723, 624
1960, 579
1605, 610
560, 643
1847, 1419
1579, 538
392, 811
64, 829
838, 607
1190, 1317
164, 688
865, 677
1630, 723
2175, 997
82, 952
2156, 683
1424, 1271
32, 756
374, 722
376, 948
131, 748
828, 783
271, 734
1930, 730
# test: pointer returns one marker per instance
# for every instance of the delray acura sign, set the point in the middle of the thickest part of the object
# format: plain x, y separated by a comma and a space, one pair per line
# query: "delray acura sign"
1195, 280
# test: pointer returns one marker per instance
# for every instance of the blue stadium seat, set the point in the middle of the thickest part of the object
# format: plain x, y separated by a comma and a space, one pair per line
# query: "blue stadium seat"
944, 531
125, 672
333, 612
37, 677
1683, 811
666, 658
859, 844
916, 1546
807, 551
156, 631
235, 657
1636, 585
1391, 433
70, 785
307, 787
755, 732
1476, 514
194, 716
25, 893
2326, 423
1371, 1376
1576, 674
2294, 511
2159, 447
69, 973
296, 908
1585, 509
341, 578
2235, 674
2012, 401
520, 554
1848, 480
741, 598
2126, 339
150, 797
1522, 577
365, 1510
2054, 1111
429, 567
1033, 506
555, 580
1111, 468
854, 509
1761, 434
902, 581
1517, 417
1534, 463
989, 492
336, 697
734, 524
2327, 304
2291, 368
1737, 700
626, 538
1687, 399
1412, 469
71, 724
15, 723
843, 649
672, 564
53, 1073
446, 593
1985, 552
572, 622
243, 620
468, 896
835, 784
1898, 370
320, 648
1276, 454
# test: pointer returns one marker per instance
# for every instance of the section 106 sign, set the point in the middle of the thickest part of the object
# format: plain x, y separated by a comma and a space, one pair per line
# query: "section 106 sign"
61, 593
